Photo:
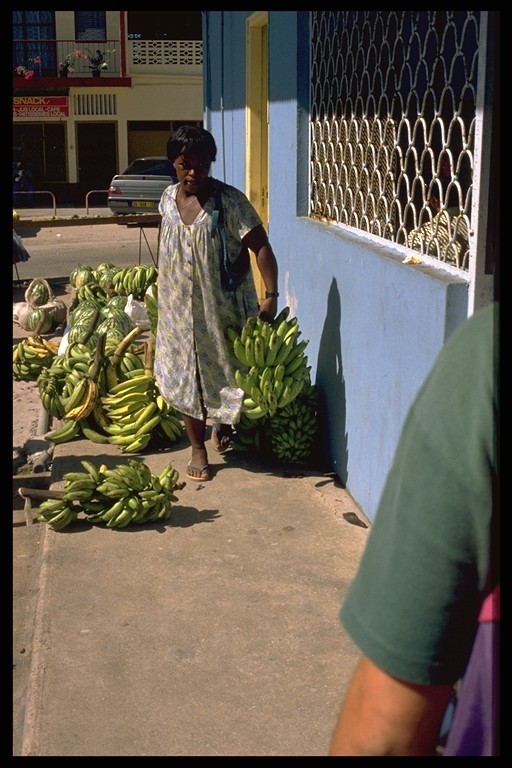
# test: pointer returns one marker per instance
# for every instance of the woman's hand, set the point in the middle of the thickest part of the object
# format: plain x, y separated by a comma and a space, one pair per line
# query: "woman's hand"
267, 309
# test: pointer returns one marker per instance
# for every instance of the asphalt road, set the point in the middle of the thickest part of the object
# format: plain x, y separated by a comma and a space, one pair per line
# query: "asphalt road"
56, 250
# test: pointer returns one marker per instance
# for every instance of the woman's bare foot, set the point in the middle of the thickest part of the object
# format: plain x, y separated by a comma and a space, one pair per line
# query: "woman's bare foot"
221, 436
198, 468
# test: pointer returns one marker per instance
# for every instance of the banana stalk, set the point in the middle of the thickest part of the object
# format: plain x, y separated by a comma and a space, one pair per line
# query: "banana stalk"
149, 357
99, 356
121, 348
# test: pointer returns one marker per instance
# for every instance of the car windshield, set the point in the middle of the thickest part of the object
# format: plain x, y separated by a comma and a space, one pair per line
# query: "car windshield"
154, 166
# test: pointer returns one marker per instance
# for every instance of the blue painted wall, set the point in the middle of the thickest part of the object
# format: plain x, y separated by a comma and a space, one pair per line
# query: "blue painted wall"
375, 325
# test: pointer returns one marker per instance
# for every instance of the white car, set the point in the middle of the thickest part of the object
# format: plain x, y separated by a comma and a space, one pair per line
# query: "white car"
140, 187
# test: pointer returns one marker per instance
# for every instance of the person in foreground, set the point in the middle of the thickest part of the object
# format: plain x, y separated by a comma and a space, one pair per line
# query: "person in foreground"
194, 359
431, 557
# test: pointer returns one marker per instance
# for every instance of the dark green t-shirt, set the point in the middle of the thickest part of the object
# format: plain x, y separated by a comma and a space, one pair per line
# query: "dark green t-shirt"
413, 605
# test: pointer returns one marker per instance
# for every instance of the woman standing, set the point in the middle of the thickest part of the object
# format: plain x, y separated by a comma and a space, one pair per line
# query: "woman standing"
194, 359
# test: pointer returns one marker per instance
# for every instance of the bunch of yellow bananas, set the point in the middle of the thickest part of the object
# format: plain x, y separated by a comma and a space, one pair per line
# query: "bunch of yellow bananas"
276, 362
133, 412
170, 426
134, 408
81, 402
62, 390
72, 387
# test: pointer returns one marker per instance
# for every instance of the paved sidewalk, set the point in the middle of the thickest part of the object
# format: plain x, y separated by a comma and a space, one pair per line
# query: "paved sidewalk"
64, 210
216, 633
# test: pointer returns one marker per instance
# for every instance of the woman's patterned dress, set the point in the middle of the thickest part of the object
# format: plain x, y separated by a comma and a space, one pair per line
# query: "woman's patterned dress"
194, 358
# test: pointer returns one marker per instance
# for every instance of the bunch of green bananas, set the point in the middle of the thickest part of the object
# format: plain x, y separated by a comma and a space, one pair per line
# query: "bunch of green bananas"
93, 427
57, 370
251, 435
288, 435
77, 360
49, 386
80, 393
58, 383
131, 360
85, 395
58, 513
276, 361
77, 408
92, 292
31, 355
134, 280
293, 428
136, 495
66, 431
79, 363
128, 493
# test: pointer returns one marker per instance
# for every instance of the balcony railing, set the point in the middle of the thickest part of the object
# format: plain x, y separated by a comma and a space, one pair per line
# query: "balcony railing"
47, 58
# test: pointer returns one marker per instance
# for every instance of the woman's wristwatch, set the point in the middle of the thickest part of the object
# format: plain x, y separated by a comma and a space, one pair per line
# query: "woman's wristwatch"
271, 294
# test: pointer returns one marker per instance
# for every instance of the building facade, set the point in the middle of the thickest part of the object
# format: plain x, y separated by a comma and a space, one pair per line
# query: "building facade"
369, 142
93, 90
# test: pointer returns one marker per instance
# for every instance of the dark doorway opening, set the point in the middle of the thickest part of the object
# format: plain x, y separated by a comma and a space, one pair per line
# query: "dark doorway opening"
97, 157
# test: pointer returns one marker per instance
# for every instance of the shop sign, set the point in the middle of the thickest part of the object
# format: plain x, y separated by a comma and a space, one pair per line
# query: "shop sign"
40, 106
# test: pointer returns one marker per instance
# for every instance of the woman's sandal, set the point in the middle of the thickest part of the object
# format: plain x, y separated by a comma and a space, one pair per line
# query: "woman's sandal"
204, 472
221, 437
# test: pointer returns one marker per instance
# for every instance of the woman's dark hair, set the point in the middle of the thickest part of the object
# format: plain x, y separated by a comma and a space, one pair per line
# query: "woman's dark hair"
190, 139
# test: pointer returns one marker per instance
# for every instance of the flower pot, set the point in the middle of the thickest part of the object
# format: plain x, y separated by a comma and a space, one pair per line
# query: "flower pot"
63, 73
95, 73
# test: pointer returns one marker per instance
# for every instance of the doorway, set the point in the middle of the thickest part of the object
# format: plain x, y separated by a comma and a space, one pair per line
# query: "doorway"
97, 157
257, 122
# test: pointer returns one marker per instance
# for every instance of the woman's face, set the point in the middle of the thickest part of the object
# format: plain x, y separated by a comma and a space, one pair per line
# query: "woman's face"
192, 171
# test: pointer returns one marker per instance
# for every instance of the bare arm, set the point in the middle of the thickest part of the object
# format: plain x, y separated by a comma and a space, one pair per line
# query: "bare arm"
257, 241
382, 715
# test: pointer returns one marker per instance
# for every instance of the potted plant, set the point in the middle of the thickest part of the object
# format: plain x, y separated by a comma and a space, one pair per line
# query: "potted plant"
67, 65
21, 71
26, 72
97, 62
